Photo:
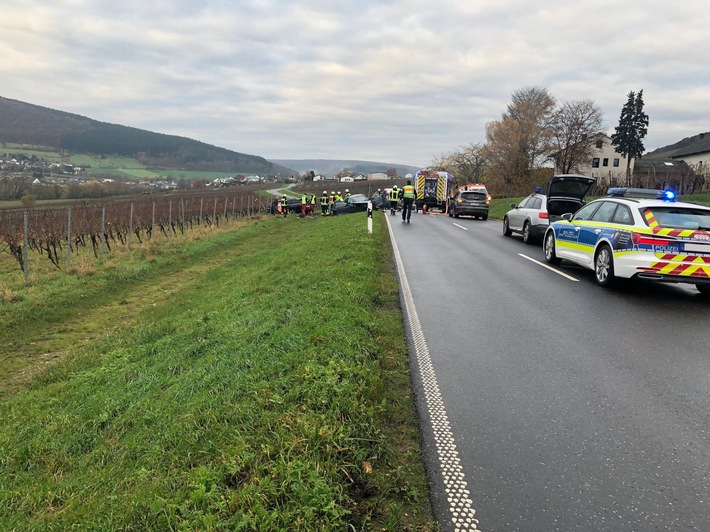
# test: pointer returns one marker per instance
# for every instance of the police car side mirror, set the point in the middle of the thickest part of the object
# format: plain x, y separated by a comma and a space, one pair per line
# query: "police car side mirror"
567, 216
513, 205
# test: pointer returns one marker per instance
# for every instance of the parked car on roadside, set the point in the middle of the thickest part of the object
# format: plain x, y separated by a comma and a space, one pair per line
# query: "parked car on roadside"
471, 200
636, 233
531, 217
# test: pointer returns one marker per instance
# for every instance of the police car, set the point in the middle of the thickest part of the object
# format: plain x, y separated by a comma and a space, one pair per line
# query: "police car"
636, 233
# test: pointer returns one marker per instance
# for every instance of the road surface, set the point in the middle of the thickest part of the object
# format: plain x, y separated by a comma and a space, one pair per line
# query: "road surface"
547, 402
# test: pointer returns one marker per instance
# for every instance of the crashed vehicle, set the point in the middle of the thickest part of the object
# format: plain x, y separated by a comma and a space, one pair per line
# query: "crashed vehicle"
357, 203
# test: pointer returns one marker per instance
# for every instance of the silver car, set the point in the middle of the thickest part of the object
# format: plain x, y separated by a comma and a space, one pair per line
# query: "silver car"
529, 218
532, 216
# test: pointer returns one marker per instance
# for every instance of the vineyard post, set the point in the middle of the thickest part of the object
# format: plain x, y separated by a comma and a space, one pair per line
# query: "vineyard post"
130, 227
182, 214
103, 232
68, 237
234, 207
225, 207
241, 205
214, 214
170, 217
25, 257
152, 221
202, 201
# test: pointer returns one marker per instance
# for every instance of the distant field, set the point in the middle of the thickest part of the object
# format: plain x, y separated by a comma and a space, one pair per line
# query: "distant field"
104, 161
49, 154
125, 167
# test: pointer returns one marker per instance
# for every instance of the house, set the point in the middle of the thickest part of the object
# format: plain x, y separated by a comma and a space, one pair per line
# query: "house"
694, 151
605, 163
377, 176
664, 173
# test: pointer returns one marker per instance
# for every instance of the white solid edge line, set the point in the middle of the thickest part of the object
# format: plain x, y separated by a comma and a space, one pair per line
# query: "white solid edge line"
558, 272
461, 227
455, 486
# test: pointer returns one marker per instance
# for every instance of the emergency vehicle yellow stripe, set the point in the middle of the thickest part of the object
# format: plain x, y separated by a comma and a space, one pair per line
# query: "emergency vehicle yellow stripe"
652, 223
440, 189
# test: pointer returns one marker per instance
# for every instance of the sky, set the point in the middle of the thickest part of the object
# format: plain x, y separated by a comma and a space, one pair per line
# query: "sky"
398, 81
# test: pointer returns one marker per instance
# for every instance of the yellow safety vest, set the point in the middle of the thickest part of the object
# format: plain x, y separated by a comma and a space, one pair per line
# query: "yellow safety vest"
408, 191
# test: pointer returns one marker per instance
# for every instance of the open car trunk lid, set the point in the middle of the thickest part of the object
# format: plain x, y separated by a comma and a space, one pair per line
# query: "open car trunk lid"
565, 194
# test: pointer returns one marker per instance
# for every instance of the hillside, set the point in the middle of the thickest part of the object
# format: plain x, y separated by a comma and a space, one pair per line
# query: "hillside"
329, 167
24, 123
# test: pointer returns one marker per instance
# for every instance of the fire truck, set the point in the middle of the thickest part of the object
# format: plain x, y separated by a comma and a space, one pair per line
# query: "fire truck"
432, 189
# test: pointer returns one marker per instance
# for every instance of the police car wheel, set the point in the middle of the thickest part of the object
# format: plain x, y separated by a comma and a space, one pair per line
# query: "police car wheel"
549, 249
506, 227
604, 266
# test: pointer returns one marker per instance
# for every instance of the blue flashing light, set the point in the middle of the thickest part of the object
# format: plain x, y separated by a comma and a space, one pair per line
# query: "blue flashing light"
668, 195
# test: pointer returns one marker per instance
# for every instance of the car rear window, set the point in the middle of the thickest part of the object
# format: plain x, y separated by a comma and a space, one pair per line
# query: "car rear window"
473, 196
679, 217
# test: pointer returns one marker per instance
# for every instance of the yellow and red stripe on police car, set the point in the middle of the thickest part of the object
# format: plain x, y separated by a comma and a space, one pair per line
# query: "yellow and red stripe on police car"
682, 269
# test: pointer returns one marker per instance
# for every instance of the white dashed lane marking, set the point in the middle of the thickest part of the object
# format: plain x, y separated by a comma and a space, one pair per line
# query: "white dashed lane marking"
457, 494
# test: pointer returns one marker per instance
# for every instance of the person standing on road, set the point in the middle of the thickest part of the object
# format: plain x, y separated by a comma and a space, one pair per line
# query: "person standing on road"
394, 197
409, 193
284, 206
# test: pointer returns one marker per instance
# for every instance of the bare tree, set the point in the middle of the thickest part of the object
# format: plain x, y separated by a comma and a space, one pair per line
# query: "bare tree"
466, 164
520, 142
573, 127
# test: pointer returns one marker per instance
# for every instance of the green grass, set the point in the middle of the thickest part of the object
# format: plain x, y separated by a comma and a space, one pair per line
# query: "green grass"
251, 380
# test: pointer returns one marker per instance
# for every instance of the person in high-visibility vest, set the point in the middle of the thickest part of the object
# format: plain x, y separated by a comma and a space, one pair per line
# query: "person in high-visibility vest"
324, 203
394, 197
284, 206
304, 203
312, 204
347, 194
409, 193
331, 202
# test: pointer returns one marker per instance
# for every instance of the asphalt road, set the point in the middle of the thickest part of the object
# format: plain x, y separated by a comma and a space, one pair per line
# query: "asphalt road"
547, 402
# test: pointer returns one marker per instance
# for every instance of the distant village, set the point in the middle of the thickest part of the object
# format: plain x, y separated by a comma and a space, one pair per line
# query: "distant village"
21, 175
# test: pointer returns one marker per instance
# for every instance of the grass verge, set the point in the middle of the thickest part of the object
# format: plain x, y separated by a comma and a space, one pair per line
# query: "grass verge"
253, 380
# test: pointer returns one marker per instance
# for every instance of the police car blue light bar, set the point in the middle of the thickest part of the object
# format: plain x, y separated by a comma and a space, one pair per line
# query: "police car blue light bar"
644, 193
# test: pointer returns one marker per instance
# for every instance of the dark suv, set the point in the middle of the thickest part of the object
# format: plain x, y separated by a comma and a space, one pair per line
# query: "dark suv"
472, 200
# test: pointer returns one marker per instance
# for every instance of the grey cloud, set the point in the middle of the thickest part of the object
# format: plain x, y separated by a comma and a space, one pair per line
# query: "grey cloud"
399, 80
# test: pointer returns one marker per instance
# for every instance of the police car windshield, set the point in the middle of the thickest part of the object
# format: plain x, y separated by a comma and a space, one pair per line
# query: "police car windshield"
681, 218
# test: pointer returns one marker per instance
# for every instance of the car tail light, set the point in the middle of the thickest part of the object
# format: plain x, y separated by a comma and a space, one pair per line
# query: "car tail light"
543, 215
651, 240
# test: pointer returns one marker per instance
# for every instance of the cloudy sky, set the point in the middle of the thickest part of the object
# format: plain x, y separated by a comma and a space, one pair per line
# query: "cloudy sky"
399, 81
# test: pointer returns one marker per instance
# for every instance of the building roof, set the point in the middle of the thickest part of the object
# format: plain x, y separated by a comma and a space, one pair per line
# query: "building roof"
689, 146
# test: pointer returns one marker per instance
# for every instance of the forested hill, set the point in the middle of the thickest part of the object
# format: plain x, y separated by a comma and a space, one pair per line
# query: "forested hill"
25, 123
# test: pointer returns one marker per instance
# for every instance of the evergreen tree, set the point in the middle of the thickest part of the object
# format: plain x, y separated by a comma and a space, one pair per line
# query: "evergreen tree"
632, 128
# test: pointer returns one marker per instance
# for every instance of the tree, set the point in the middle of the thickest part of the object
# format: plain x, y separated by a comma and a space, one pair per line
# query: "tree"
629, 134
466, 164
520, 142
573, 127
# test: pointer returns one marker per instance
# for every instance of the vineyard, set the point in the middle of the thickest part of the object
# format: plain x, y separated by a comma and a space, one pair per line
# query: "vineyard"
58, 232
